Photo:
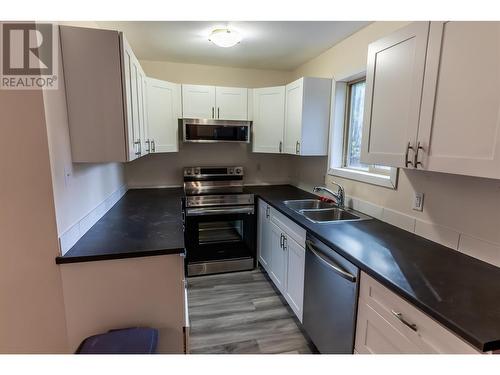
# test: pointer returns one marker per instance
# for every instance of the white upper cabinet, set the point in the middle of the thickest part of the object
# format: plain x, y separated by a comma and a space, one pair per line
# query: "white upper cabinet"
198, 101
232, 103
460, 118
163, 110
268, 119
104, 94
433, 99
210, 102
307, 115
394, 77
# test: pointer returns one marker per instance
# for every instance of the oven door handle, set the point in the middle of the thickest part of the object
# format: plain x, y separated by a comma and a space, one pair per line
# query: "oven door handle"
219, 211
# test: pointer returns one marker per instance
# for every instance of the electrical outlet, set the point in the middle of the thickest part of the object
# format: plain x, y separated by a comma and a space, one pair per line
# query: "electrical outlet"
418, 202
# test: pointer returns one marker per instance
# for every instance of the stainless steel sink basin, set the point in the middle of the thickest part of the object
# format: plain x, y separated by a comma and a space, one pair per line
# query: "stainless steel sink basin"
308, 204
323, 212
330, 214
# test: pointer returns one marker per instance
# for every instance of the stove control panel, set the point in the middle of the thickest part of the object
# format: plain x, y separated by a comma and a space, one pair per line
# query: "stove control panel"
212, 171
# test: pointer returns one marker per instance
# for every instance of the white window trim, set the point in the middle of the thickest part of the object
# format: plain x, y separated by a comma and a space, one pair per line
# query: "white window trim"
336, 141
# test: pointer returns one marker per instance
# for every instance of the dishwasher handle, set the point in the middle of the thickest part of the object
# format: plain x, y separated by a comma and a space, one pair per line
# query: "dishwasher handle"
335, 267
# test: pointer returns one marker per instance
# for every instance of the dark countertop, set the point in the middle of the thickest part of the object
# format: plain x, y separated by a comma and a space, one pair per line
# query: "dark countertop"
144, 222
460, 292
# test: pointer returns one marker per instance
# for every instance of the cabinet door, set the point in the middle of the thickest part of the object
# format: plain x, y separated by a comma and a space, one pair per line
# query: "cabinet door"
135, 100
231, 103
198, 101
460, 118
141, 83
293, 117
295, 276
394, 78
278, 259
265, 236
128, 57
162, 115
268, 119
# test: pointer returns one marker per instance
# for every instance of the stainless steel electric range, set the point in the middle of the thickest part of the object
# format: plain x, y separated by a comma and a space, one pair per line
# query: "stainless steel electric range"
219, 221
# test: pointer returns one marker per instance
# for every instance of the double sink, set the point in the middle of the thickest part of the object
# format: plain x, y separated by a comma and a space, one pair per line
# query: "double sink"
319, 211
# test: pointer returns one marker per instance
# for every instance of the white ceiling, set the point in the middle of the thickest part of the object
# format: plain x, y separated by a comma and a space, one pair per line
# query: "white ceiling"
280, 45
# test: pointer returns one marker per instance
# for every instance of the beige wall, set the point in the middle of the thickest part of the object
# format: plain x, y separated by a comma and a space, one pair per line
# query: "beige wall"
166, 169
87, 185
214, 75
465, 204
32, 311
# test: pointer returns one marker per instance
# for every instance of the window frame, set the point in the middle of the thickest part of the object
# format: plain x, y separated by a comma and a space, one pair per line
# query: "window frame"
339, 127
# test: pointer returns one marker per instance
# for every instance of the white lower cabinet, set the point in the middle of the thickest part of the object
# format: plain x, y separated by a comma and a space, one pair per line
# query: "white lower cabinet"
278, 258
387, 324
264, 235
295, 276
281, 252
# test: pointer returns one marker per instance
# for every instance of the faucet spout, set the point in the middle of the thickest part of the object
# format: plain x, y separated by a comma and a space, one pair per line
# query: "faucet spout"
339, 195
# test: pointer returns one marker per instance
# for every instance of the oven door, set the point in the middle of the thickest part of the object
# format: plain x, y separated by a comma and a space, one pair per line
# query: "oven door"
220, 239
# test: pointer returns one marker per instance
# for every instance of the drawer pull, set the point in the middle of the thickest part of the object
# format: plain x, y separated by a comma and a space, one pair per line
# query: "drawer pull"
398, 315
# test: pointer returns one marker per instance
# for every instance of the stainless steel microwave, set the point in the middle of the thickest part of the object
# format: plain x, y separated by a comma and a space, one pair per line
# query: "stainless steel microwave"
211, 131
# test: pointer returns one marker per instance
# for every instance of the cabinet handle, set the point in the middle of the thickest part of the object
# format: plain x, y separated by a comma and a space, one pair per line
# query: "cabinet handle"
149, 145
399, 315
281, 240
268, 211
416, 162
213, 112
408, 148
137, 146
218, 112
281, 146
285, 244
297, 148
153, 145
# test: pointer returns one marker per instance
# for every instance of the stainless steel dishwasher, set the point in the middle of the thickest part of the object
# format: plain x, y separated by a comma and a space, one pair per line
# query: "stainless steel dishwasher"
330, 298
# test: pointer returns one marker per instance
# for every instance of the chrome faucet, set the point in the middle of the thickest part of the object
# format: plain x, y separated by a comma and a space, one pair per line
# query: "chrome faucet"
339, 195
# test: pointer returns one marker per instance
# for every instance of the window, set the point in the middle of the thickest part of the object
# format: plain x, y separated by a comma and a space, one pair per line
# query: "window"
346, 142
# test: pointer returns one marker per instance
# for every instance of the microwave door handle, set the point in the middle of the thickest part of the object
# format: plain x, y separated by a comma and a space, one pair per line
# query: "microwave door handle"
335, 267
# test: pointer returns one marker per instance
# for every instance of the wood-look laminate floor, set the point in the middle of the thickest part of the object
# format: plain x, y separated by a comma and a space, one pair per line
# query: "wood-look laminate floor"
241, 313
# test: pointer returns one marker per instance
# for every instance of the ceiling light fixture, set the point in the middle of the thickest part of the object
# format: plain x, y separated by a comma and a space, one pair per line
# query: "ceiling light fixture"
224, 37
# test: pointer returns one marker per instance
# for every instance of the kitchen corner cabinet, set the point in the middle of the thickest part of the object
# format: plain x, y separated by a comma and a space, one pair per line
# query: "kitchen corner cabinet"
268, 119
307, 116
433, 99
104, 85
281, 252
210, 102
387, 324
163, 111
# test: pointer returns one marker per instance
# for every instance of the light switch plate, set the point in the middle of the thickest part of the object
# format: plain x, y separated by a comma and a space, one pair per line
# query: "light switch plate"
418, 202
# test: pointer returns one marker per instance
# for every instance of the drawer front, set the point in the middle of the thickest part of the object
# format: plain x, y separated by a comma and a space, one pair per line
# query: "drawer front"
426, 334
289, 227
375, 335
